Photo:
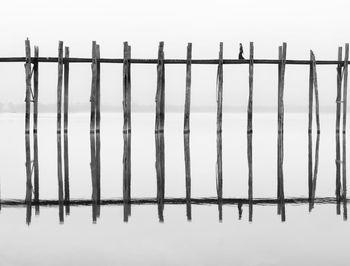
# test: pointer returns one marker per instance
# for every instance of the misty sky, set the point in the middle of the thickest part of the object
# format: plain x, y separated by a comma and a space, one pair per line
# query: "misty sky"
304, 25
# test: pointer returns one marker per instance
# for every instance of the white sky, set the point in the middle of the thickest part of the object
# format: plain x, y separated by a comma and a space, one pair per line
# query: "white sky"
304, 25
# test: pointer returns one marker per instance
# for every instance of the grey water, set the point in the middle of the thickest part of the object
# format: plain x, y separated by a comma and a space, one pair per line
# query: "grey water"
173, 223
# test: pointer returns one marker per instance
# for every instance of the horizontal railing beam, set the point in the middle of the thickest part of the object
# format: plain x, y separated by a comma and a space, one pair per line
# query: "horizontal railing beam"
171, 61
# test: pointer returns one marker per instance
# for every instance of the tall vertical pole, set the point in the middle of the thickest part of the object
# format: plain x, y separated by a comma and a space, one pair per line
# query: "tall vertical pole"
59, 86
36, 88
250, 132
93, 89
66, 88
337, 129
28, 71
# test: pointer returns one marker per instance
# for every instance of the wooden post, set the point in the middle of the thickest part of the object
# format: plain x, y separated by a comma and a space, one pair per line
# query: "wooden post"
59, 86
66, 88
219, 90
219, 83
28, 70
283, 51
250, 131
345, 88
160, 97
345, 84
315, 83
187, 131
311, 88
98, 91
93, 89
188, 89
337, 130
36, 88
127, 89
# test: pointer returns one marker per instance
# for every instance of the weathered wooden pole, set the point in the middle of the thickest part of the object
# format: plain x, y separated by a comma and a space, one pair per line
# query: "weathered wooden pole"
219, 91
59, 86
311, 89
345, 89
28, 72
345, 85
98, 90
187, 132
283, 52
66, 88
250, 131
36, 88
127, 89
337, 129
315, 83
188, 89
93, 89
160, 97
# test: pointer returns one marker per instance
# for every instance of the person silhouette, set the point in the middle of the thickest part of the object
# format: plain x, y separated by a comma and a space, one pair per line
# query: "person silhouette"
240, 56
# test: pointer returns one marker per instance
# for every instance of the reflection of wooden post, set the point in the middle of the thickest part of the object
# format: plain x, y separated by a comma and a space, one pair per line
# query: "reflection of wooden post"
345, 209
66, 88
188, 89
36, 175
36, 88
29, 188
250, 133
66, 174
59, 86
28, 71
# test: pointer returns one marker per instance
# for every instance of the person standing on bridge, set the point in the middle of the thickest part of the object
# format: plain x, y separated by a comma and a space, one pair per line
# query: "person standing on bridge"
240, 56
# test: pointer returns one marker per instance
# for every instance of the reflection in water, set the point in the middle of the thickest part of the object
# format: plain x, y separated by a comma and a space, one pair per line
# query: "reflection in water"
160, 170
36, 175
188, 175
345, 210
66, 174
313, 171
95, 174
280, 191
59, 177
219, 173
29, 187
250, 176
127, 176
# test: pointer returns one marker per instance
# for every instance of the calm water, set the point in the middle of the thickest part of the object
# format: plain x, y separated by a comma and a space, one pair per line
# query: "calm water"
318, 237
